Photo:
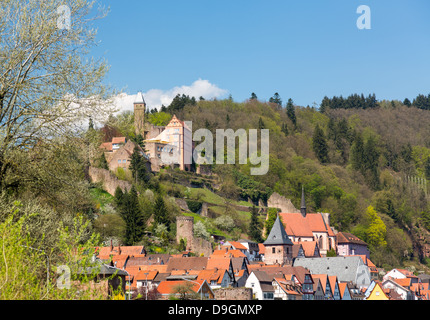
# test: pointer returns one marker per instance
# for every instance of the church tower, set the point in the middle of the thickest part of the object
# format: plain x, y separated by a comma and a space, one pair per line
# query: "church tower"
139, 114
278, 246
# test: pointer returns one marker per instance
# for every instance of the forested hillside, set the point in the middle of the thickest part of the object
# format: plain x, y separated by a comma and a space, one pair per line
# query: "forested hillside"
368, 167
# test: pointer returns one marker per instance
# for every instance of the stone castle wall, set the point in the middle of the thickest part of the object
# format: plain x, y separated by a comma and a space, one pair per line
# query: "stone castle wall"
109, 181
284, 204
185, 230
233, 294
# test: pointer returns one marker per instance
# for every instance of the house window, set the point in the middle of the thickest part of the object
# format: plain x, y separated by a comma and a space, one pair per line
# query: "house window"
273, 250
268, 295
119, 160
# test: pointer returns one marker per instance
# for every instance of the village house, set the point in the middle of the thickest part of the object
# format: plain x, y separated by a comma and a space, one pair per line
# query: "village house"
252, 249
286, 289
375, 292
325, 286
216, 278
334, 285
345, 292
318, 289
350, 245
400, 287
261, 284
401, 274
169, 288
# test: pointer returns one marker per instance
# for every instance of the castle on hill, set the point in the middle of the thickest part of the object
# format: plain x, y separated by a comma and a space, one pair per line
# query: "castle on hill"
169, 145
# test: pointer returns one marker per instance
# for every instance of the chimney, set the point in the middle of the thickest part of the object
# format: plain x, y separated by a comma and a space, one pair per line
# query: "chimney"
119, 249
111, 245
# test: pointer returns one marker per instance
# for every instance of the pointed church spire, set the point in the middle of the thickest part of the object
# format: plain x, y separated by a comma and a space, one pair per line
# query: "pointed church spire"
278, 235
303, 203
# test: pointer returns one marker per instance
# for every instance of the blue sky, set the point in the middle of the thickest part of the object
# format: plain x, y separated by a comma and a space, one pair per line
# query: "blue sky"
302, 49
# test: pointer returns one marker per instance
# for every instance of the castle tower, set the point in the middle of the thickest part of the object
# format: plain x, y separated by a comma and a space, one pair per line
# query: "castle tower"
278, 246
139, 114
185, 230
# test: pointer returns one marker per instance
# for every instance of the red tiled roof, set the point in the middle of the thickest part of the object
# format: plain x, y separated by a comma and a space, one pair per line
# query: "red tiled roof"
405, 282
343, 286
296, 225
261, 248
106, 252
228, 253
219, 263
237, 245
187, 263
116, 140
211, 275
106, 145
309, 247
299, 226
344, 237
168, 286
322, 278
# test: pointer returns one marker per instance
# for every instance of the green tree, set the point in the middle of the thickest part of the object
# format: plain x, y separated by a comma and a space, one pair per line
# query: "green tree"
276, 99
253, 96
376, 230
161, 215
272, 213
370, 163
118, 198
138, 166
47, 81
325, 104
291, 112
427, 168
319, 145
284, 129
261, 124
254, 226
407, 102
28, 267
133, 217
103, 164
357, 153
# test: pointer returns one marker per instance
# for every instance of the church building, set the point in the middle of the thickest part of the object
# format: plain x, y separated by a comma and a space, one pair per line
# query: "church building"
306, 226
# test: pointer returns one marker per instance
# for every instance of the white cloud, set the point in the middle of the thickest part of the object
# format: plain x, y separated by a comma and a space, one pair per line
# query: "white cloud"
154, 98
